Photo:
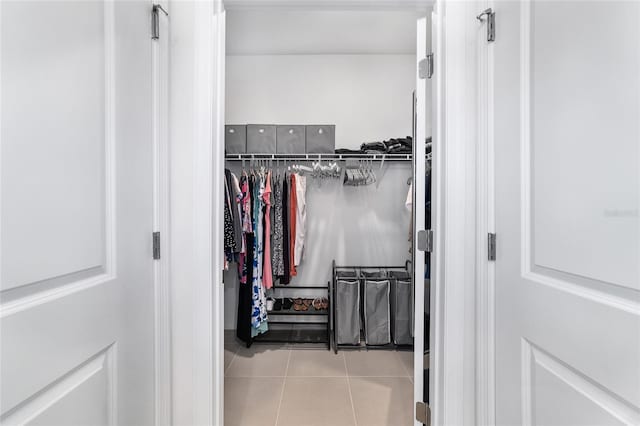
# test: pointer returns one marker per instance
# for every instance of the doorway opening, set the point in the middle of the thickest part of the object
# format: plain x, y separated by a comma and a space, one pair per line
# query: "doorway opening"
327, 186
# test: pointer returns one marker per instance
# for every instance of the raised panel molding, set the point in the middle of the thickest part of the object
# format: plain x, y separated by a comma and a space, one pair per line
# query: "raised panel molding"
20, 296
608, 293
99, 370
533, 358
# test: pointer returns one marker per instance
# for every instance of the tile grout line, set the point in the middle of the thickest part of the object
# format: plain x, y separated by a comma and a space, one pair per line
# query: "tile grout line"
407, 372
353, 408
233, 358
284, 382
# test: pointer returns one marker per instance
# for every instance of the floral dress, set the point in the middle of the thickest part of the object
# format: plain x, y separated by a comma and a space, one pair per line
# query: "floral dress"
259, 305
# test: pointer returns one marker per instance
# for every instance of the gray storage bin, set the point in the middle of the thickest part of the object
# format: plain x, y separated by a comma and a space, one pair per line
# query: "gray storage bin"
364, 275
235, 139
290, 139
321, 139
373, 273
401, 308
349, 273
347, 306
261, 139
377, 315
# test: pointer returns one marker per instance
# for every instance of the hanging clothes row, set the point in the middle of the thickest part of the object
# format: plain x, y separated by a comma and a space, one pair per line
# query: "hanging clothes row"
264, 233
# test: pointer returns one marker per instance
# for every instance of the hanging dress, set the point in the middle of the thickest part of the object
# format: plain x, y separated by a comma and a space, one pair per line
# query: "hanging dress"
267, 276
286, 275
245, 267
259, 308
292, 225
277, 252
301, 217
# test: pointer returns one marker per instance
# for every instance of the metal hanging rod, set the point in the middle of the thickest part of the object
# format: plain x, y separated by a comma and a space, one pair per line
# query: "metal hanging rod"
315, 157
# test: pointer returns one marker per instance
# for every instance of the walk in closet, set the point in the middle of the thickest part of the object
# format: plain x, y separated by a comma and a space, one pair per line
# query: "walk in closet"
320, 214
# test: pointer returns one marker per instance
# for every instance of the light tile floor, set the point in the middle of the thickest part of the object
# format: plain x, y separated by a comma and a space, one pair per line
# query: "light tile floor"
287, 385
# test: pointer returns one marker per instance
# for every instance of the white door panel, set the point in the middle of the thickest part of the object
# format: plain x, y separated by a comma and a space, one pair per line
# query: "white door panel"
567, 195
76, 315
53, 110
584, 110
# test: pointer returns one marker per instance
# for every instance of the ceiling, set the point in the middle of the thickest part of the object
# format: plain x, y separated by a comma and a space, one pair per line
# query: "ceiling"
285, 31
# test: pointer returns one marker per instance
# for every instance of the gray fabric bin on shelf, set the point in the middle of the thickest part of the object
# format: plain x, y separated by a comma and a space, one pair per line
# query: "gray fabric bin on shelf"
261, 139
321, 139
377, 315
290, 140
347, 306
235, 139
401, 307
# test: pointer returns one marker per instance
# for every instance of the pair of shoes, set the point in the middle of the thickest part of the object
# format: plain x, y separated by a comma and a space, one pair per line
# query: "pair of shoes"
320, 303
300, 305
277, 306
287, 303
283, 303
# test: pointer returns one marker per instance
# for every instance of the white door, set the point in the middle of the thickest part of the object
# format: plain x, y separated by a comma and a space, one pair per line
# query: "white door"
566, 117
421, 120
76, 213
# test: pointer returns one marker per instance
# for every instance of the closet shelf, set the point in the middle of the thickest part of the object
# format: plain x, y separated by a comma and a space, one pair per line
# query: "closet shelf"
311, 311
313, 157
295, 287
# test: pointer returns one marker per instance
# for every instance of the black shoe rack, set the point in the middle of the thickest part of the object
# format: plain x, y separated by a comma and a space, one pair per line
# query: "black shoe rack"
291, 317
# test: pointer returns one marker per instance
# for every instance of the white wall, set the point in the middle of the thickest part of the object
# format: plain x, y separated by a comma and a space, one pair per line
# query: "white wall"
367, 97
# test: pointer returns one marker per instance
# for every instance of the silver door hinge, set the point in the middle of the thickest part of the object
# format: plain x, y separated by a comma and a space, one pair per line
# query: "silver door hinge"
491, 246
491, 23
156, 245
423, 413
425, 67
155, 21
425, 240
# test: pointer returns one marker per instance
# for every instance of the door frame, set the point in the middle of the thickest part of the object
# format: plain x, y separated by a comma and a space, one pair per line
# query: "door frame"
198, 321
196, 252
161, 219
485, 301
455, 220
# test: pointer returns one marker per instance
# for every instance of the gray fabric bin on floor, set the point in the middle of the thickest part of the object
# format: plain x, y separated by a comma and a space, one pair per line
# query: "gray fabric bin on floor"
347, 305
377, 316
401, 307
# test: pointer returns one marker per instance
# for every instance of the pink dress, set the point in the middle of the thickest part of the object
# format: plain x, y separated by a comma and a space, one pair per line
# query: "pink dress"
267, 276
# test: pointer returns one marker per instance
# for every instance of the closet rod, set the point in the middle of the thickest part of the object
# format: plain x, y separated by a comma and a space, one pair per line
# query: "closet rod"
315, 157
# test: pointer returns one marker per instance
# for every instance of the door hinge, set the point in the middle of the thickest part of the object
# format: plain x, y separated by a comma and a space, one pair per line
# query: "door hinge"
425, 67
491, 246
423, 413
155, 20
425, 240
156, 245
491, 23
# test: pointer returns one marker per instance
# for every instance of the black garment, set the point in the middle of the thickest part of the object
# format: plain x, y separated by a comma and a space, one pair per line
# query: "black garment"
245, 292
374, 148
348, 151
286, 278
235, 213
229, 236
245, 296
